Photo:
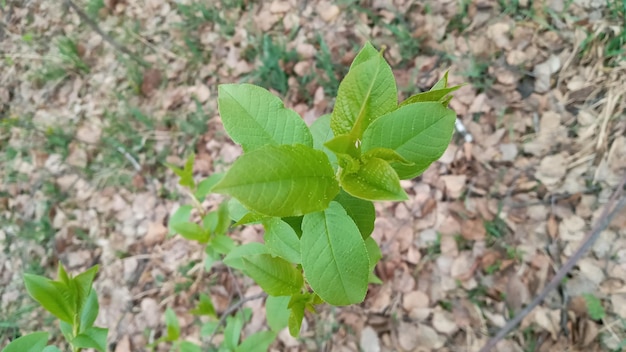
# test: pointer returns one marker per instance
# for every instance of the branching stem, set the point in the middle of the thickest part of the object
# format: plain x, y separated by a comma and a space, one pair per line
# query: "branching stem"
231, 309
604, 221
91, 23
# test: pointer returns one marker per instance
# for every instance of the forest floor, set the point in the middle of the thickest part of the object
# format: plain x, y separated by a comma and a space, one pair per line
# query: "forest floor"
85, 130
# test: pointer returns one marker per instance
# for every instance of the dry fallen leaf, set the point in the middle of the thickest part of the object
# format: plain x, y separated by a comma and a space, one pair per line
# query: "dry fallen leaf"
89, 133
499, 34
428, 338
407, 338
156, 234
551, 170
327, 11
369, 341
543, 73
455, 185
444, 322
123, 345
517, 293
473, 230
151, 81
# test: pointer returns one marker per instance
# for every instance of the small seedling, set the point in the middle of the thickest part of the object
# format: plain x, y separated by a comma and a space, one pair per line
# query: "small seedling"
312, 188
71, 300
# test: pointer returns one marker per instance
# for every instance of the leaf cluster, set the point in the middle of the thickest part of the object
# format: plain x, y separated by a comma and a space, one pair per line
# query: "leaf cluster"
312, 188
71, 300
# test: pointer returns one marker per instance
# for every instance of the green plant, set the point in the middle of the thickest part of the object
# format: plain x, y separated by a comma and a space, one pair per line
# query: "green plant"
70, 61
93, 7
71, 300
270, 73
312, 188
594, 307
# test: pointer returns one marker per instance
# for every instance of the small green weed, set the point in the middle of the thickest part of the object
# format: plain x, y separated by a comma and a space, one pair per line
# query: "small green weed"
325, 62
434, 248
477, 73
594, 307
496, 228
93, 7
68, 49
460, 21
270, 72
70, 62
196, 15
514, 253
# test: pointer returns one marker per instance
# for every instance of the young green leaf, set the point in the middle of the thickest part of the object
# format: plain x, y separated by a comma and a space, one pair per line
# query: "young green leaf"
209, 328
234, 258
442, 83
204, 187
387, 155
93, 337
366, 53
343, 144
281, 180
50, 349
295, 318
89, 311
205, 306
173, 327
81, 287
191, 231
334, 257
431, 95
594, 307
223, 219
241, 215
322, 133
298, 303
186, 173
222, 244
66, 330
375, 180
186, 346
276, 276
277, 312
54, 296
367, 92
419, 132
257, 342
33, 342
232, 331
254, 117
282, 240
361, 211
181, 215
63, 275
373, 252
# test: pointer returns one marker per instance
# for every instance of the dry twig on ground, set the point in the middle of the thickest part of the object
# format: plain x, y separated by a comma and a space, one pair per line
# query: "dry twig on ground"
605, 219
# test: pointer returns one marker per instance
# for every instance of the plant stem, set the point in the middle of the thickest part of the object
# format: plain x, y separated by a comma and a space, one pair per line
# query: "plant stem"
231, 309
85, 18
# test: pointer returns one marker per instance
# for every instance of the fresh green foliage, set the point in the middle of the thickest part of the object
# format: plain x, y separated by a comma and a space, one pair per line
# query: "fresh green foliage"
71, 300
271, 53
594, 307
254, 128
334, 256
312, 190
93, 7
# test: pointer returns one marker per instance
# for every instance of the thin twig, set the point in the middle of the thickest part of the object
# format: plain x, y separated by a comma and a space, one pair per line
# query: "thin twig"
91, 23
231, 309
604, 220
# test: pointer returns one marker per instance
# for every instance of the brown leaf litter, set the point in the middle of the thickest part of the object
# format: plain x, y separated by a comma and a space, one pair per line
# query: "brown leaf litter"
483, 231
